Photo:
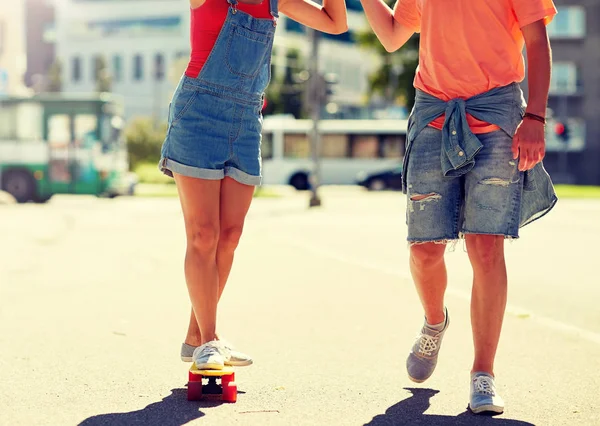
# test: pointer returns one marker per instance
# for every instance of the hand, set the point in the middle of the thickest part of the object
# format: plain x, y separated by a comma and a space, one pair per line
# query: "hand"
529, 144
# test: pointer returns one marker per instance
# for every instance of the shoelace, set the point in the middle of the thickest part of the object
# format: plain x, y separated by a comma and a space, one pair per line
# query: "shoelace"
211, 349
484, 385
428, 344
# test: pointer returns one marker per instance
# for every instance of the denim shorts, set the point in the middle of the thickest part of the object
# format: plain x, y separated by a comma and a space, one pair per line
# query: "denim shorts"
213, 133
485, 200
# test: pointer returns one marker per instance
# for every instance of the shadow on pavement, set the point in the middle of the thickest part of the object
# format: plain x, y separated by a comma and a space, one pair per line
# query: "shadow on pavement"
411, 411
173, 410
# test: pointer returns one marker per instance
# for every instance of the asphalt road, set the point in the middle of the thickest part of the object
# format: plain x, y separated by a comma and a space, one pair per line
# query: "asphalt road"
93, 309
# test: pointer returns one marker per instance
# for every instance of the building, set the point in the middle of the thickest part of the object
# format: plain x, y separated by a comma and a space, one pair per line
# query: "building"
39, 33
12, 48
575, 92
139, 42
146, 46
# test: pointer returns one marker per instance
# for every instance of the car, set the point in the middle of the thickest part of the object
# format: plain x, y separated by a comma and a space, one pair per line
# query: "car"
379, 181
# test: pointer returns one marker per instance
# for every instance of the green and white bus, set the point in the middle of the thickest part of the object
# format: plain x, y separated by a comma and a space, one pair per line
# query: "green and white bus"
63, 144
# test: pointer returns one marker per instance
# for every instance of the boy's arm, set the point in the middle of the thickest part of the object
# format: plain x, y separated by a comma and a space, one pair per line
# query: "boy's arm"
529, 141
391, 33
329, 18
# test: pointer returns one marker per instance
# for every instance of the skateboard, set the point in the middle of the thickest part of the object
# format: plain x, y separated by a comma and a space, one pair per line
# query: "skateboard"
214, 383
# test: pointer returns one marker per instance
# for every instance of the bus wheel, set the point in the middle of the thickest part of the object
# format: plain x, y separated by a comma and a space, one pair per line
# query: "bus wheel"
42, 199
20, 184
300, 181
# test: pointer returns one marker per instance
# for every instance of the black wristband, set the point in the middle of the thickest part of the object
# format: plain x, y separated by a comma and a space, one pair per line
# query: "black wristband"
535, 117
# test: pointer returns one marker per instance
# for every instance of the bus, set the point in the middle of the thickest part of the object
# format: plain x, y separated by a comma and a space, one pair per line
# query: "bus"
63, 144
349, 149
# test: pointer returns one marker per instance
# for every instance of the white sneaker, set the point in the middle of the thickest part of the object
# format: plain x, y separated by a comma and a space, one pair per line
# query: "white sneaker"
236, 358
484, 397
210, 356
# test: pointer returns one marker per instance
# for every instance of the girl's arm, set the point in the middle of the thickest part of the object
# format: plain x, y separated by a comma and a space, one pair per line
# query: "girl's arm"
389, 31
329, 18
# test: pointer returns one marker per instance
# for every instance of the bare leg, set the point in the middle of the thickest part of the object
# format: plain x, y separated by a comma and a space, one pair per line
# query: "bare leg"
488, 299
235, 200
200, 200
429, 274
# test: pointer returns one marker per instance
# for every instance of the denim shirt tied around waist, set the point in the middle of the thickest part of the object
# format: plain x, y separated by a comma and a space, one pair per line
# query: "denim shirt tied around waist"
502, 106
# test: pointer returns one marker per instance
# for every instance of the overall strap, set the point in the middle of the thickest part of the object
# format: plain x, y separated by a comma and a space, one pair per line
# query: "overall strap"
273, 8
233, 4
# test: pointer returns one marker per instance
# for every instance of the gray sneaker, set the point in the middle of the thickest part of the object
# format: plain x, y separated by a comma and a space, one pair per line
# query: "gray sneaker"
235, 358
484, 397
423, 357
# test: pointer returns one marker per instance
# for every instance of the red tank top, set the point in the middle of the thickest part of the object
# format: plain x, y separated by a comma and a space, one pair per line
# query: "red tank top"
206, 23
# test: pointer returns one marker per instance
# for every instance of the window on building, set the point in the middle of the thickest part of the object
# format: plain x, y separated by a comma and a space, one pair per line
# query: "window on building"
117, 68
568, 23
182, 54
138, 67
159, 67
76, 69
95, 67
564, 78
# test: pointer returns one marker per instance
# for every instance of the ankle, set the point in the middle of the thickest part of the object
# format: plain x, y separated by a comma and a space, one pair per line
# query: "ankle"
436, 317
209, 338
193, 340
483, 368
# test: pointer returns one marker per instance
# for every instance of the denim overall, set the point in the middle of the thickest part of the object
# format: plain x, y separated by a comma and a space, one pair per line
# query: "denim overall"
215, 120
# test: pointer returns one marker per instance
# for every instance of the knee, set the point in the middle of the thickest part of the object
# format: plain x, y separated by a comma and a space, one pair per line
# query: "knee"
486, 251
426, 254
230, 238
203, 238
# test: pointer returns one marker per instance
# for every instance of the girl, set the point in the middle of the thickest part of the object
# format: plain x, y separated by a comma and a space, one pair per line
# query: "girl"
212, 146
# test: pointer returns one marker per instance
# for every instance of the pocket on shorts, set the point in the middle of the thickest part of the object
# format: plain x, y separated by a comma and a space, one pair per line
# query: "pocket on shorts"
246, 50
181, 102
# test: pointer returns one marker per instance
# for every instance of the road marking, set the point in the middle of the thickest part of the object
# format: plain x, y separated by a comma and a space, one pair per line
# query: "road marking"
510, 309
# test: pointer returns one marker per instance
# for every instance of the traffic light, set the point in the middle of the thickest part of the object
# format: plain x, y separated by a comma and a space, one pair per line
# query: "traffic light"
562, 131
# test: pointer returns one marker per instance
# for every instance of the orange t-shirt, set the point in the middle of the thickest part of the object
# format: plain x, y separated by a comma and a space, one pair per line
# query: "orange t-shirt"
468, 47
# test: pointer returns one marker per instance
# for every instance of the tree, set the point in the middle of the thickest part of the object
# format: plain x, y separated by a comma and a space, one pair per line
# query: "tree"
394, 78
54, 79
103, 77
285, 94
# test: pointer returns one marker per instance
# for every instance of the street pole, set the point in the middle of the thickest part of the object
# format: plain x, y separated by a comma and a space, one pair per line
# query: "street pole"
314, 105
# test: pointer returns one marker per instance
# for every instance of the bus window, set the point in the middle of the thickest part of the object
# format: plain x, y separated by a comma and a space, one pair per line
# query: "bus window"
392, 146
30, 122
59, 132
296, 146
59, 139
365, 146
8, 122
266, 146
86, 128
334, 146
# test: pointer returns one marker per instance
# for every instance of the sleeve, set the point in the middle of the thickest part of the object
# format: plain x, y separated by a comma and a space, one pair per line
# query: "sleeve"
530, 11
407, 13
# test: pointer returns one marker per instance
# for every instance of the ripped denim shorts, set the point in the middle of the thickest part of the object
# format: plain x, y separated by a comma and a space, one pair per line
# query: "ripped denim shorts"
485, 200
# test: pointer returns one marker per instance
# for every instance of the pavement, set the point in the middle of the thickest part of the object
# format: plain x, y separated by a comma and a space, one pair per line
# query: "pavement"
93, 310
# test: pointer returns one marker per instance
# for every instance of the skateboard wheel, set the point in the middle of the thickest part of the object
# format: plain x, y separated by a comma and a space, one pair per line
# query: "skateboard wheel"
194, 391
230, 392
